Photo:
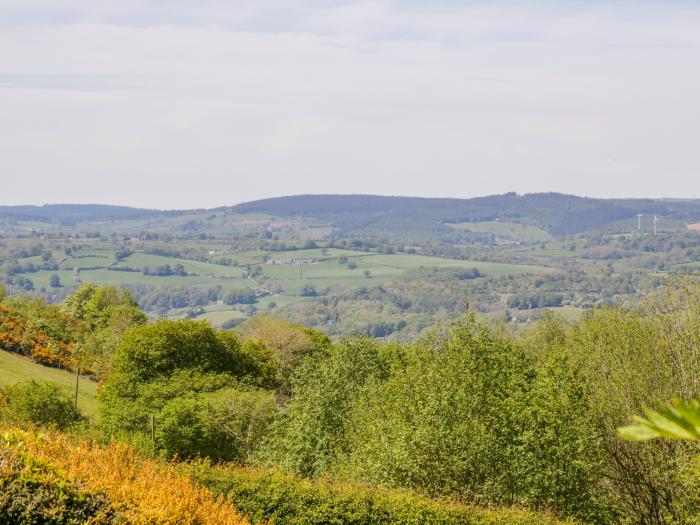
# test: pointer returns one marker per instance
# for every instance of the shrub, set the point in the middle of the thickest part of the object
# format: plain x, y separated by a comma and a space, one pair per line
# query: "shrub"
37, 402
312, 431
266, 496
224, 425
142, 491
33, 492
167, 374
464, 413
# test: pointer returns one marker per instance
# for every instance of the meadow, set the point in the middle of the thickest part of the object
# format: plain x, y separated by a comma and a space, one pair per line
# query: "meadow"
293, 272
16, 369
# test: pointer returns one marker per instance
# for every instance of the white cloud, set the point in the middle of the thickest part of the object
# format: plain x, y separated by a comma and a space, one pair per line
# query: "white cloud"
187, 104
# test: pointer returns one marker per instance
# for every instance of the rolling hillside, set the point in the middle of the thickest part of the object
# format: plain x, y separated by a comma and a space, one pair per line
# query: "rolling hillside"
416, 217
17, 369
372, 215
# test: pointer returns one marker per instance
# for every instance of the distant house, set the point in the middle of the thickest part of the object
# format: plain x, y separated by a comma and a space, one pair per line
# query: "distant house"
694, 227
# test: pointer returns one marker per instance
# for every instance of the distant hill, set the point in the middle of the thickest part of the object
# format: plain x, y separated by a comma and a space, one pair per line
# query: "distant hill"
402, 217
76, 212
556, 213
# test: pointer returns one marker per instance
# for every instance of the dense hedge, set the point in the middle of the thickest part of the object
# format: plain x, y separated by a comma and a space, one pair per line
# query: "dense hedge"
50, 478
33, 492
275, 498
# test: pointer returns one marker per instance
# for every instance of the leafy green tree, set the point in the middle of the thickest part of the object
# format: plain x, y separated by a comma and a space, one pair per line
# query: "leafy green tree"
288, 344
313, 431
674, 421
75, 303
95, 305
451, 399
629, 358
177, 376
109, 312
560, 454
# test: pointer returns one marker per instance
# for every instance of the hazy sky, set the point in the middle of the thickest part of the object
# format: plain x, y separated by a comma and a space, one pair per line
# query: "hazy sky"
198, 103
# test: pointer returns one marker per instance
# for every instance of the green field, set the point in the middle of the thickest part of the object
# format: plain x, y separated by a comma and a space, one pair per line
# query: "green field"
382, 268
407, 262
506, 231
315, 253
326, 271
16, 369
288, 272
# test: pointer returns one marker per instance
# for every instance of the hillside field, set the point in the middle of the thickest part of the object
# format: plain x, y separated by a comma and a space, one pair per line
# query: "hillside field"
291, 271
16, 369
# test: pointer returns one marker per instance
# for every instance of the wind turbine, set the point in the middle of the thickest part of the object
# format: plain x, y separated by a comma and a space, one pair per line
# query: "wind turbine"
639, 221
656, 219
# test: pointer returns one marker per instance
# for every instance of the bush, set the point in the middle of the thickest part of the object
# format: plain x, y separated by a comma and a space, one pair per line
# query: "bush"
143, 491
39, 403
225, 425
312, 432
464, 413
185, 375
32, 492
271, 497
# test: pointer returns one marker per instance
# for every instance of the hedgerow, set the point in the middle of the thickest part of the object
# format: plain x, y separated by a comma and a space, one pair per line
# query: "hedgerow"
31, 491
268, 496
138, 489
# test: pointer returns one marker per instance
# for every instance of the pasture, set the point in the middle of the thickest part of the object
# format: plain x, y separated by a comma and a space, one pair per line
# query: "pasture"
17, 369
288, 273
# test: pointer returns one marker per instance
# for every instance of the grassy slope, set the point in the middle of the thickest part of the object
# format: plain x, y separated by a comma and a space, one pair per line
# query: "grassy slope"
15, 369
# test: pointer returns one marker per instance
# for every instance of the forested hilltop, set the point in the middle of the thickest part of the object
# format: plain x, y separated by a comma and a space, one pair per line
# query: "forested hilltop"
400, 217
276, 423
556, 213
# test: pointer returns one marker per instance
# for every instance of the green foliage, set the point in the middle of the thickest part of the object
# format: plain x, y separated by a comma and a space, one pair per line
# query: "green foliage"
226, 425
473, 394
630, 359
688, 507
196, 385
55, 281
37, 402
313, 429
559, 451
95, 305
109, 312
157, 350
447, 401
286, 343
271, 497
669, 421
675, 421
417, 417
